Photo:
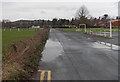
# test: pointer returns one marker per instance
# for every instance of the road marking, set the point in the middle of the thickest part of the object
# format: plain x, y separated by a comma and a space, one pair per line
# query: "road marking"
49, 76
42, 75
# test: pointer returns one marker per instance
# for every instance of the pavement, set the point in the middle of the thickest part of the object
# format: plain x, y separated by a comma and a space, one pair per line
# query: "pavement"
76, 56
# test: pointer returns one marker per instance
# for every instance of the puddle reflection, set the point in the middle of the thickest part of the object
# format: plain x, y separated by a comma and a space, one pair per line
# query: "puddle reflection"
52, 50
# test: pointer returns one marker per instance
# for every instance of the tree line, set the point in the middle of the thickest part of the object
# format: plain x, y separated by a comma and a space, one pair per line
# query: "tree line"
82, 17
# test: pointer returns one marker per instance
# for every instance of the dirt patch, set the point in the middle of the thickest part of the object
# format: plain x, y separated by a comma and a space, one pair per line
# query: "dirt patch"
23, 58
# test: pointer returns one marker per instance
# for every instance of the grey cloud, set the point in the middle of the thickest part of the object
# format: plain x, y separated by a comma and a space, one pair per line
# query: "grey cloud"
48, 10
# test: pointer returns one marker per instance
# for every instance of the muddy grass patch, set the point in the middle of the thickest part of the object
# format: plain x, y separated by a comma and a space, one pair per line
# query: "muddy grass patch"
23, 58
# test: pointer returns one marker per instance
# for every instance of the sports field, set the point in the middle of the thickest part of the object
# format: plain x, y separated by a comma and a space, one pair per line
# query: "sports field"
9, 35
13, 34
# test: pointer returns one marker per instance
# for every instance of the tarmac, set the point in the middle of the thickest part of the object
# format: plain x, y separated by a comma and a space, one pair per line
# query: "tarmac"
77, 56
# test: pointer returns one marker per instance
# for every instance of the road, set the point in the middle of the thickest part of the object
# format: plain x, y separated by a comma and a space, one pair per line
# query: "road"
75, 56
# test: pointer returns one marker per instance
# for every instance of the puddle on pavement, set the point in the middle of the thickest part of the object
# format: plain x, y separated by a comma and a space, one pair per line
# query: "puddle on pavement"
102, 45
52, 50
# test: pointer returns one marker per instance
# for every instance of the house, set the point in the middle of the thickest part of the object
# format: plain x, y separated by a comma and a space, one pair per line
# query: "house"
103, 23
116, 23
35, 26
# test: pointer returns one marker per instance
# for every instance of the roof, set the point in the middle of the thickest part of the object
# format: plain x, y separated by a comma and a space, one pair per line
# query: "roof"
116, 23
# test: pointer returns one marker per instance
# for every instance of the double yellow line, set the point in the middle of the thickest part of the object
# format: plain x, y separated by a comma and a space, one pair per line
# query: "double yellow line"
42, 75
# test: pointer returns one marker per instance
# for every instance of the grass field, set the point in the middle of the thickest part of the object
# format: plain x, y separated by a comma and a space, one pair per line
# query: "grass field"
104, 29
9, 36
92, 29
14, 35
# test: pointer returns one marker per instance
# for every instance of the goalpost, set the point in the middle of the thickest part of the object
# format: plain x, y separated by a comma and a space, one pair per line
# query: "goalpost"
84, 26
111, 27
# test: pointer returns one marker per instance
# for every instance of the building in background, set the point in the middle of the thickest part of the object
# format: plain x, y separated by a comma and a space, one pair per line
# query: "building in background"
116, 24
35, 26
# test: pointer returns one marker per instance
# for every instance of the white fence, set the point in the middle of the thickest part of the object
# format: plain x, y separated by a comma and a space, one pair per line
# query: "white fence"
105, 34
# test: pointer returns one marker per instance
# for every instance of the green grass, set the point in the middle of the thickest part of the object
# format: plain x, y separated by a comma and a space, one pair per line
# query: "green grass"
98, 35
104, 29
15, 35
92, 29
9, 36
71, 30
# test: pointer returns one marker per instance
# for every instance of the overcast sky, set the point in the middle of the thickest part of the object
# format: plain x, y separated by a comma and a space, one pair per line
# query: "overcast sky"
42, 9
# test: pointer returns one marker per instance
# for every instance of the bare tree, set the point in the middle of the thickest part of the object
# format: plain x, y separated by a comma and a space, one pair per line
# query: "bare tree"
82, 12
82, 16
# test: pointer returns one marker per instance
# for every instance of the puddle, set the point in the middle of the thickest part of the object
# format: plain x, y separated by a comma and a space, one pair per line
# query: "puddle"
104, 45
52, 50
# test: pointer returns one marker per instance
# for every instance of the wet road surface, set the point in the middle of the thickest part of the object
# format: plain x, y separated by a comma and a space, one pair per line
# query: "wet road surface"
73, 56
